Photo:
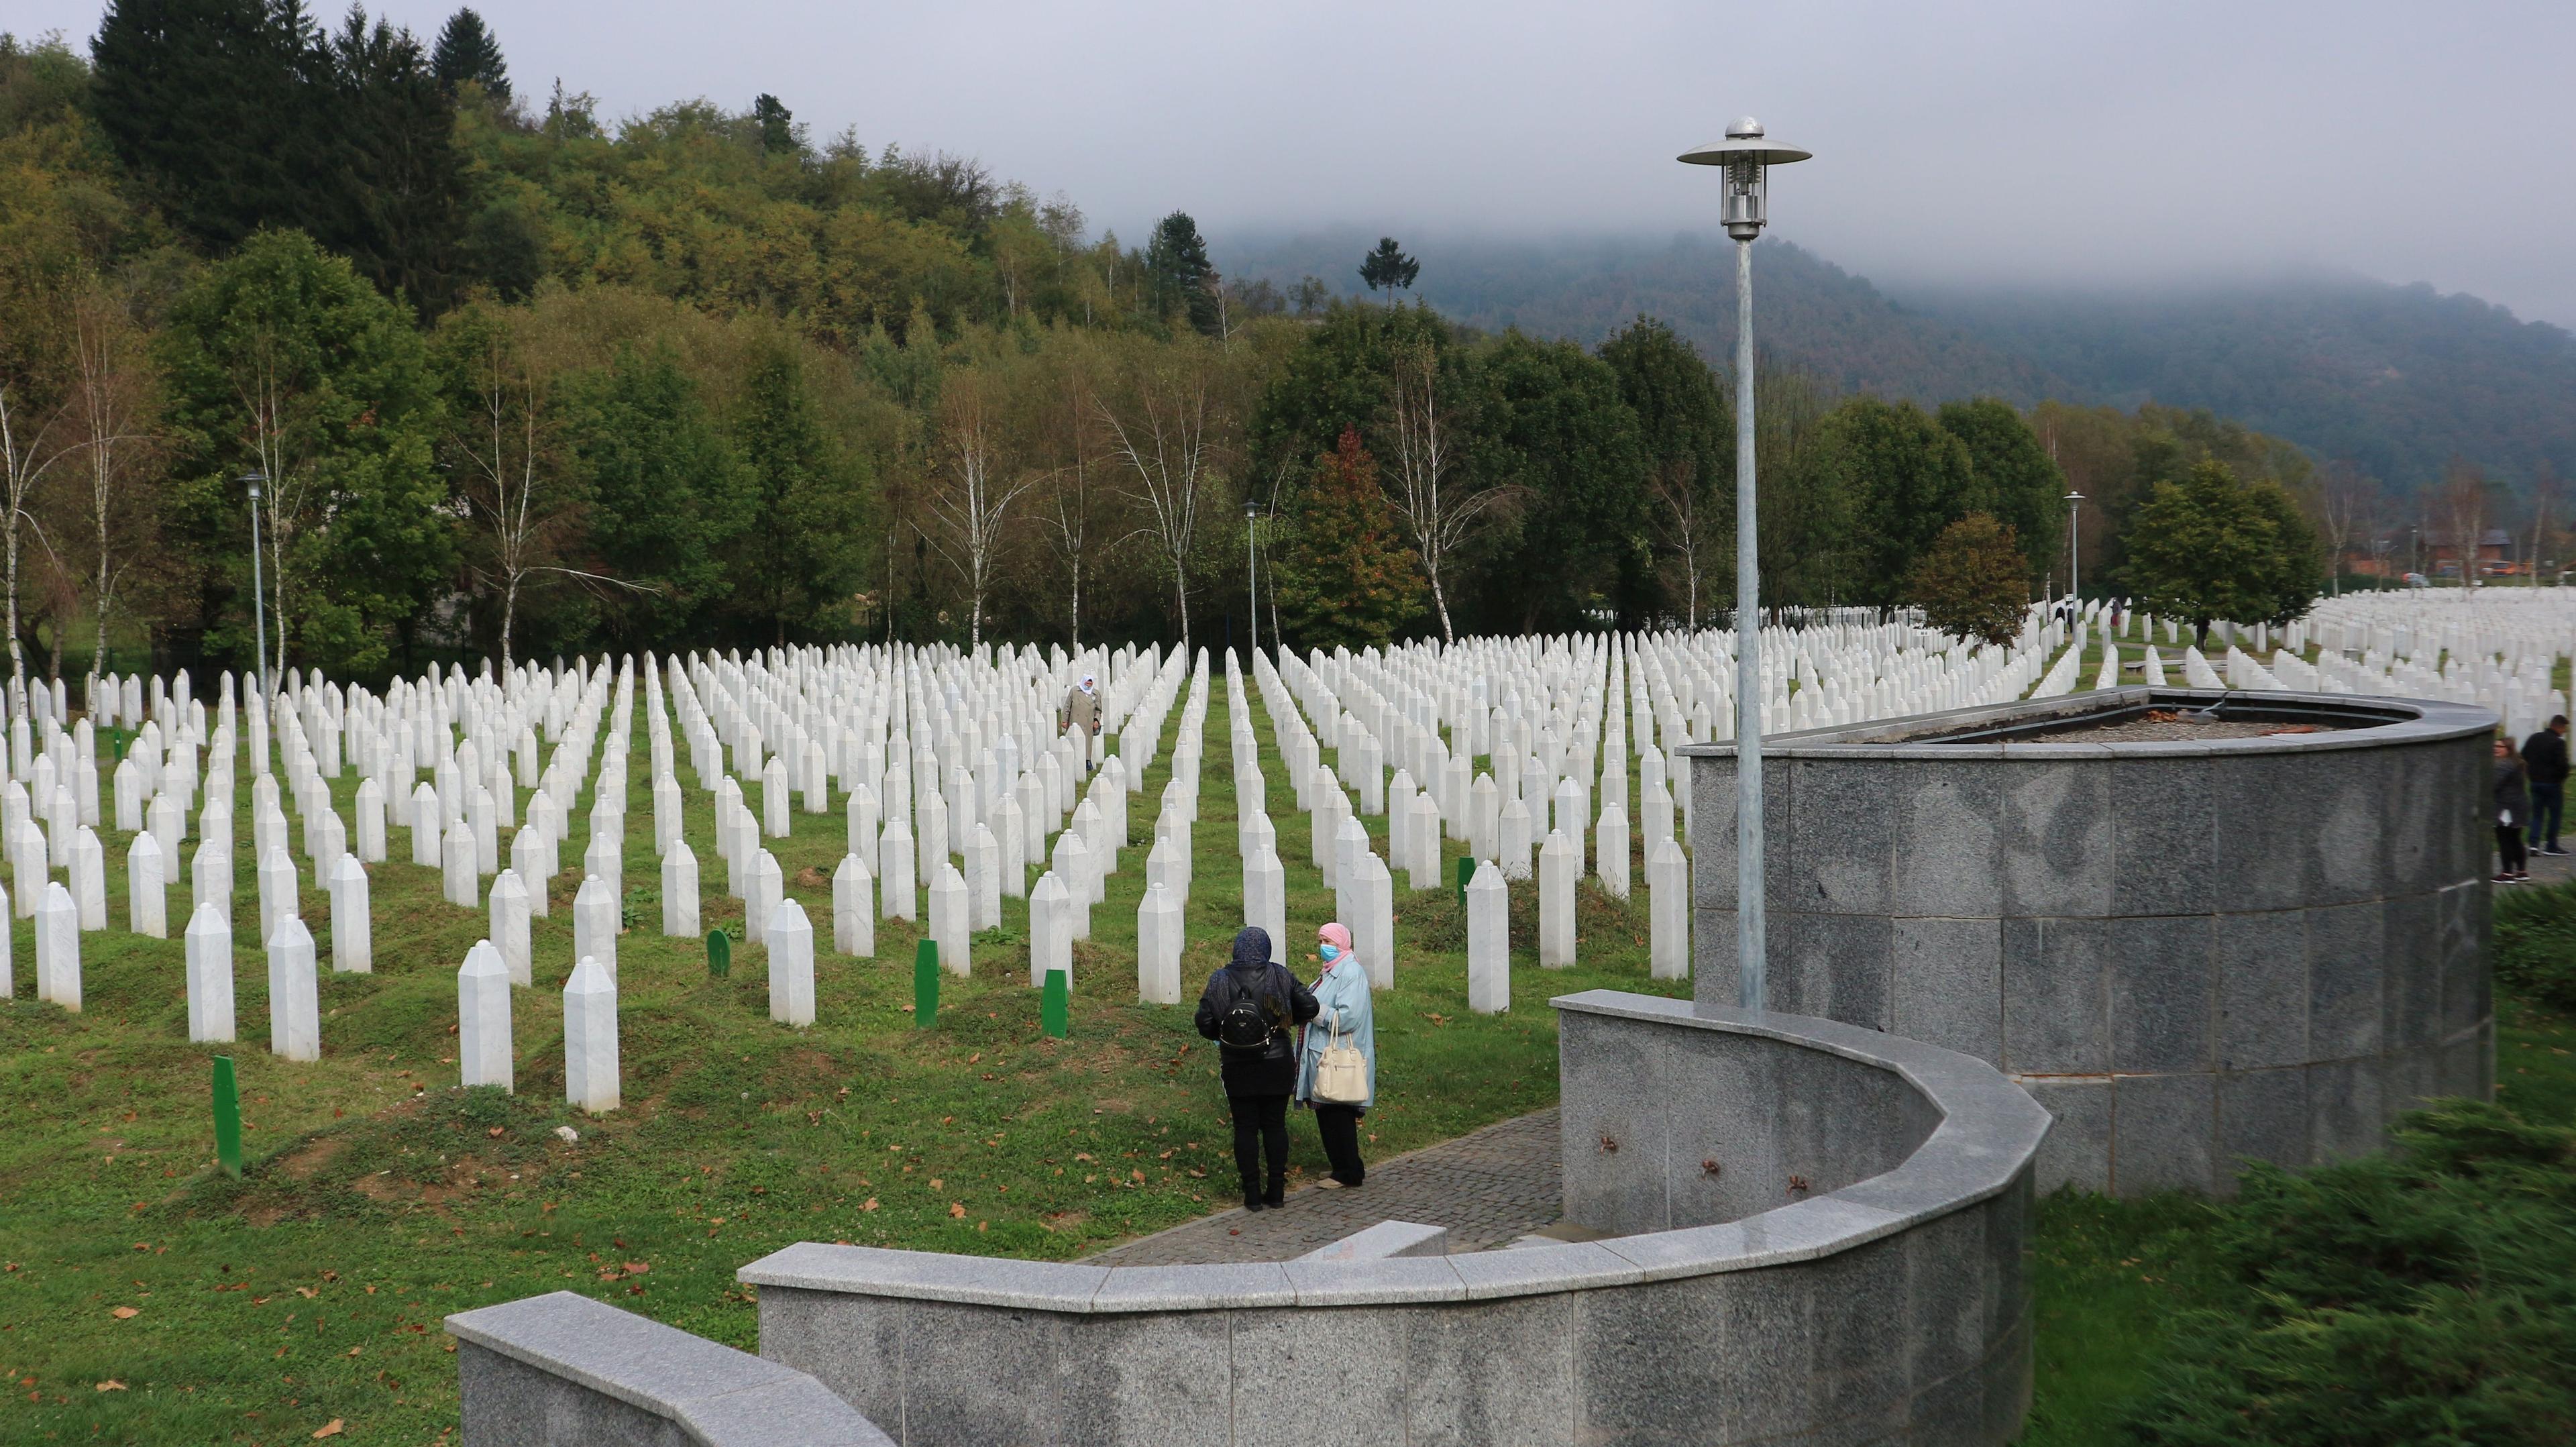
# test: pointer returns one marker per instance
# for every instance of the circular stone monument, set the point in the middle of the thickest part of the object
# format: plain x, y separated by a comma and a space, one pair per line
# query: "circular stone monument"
2199, 927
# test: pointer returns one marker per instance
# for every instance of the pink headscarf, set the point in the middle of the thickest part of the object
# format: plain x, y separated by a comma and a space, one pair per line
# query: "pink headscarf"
1339, 936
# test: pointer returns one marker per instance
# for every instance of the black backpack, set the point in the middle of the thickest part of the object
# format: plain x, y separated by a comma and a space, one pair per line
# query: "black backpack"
1247, 1025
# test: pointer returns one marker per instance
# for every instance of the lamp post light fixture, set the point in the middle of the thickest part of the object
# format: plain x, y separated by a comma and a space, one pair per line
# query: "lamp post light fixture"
258, 588
1747, 156
1252, 573
2073, 522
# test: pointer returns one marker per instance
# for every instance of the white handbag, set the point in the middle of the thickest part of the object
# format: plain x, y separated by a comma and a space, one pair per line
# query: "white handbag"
1341, 1073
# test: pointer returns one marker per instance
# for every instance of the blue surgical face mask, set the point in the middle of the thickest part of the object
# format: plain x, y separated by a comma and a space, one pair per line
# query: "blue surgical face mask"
1332, 953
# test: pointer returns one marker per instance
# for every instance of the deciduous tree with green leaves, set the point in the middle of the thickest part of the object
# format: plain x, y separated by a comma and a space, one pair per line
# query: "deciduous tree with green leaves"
1973, 581
1344, 576
284, 359
2211, 547
2021, 486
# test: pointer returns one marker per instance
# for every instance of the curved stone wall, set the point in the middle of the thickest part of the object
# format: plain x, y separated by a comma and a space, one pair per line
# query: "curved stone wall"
2192, 953
1889, 1308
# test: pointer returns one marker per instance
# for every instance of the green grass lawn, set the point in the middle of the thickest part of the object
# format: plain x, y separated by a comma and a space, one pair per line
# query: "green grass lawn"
379, 1196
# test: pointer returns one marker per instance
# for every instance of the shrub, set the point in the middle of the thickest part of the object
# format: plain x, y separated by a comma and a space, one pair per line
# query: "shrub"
2535, 943
2424, 1296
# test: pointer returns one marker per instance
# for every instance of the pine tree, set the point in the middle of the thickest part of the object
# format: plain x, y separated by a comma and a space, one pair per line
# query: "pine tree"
1344, 576
1184, 278
777, 125
1388, 267
212, 103
466, 51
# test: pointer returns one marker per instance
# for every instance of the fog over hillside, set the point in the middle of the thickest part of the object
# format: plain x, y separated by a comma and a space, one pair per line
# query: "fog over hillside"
2399, 379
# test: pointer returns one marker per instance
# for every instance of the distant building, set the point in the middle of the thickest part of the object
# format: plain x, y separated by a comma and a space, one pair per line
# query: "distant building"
2495, 556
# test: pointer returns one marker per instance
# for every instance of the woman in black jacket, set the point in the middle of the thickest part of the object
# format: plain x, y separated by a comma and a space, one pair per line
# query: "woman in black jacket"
1251, 1008
2512, 804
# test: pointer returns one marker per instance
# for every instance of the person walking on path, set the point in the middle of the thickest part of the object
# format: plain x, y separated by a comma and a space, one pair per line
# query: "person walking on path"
1342, 1017
1249, 1009
1081, 710
2544, 761
2511, 800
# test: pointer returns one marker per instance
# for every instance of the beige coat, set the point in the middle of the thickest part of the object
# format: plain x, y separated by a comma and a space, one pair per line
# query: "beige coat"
1081, 710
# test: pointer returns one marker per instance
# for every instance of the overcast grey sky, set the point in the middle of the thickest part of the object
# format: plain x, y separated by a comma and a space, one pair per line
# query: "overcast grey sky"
1955, 140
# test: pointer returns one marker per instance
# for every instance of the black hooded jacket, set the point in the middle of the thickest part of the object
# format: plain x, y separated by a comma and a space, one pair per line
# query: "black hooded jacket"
1287, 1002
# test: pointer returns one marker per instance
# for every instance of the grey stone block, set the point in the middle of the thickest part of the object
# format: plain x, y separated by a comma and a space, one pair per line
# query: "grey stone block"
1951, 1410
852, 1344
1650, 1362
562, 1368
1768, 1324
2344, 1003
2162, 1128
2464, 922
1860, 1304
2161, 993
2410, 972
2263, 1115
1948, 1289
1496, 1372
2346, 1111
1282, 1351
2261, 966
2077, 1152
1837, 969
2007, 1376
1612, 1132
955, 1356
1949, 850
1716, 981
2059, 846
2056, 1005
1147, 1380
1385, 1240
1947, 985
1843, 840
1194, 1288
1404, 1280
1575, 1266
2266, 828
2164, 848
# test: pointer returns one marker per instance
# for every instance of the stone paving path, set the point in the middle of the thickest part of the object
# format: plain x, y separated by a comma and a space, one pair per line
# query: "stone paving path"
1490, 1188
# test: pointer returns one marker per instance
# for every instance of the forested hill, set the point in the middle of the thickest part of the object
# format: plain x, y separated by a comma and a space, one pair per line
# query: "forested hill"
1812, 314
2398, 379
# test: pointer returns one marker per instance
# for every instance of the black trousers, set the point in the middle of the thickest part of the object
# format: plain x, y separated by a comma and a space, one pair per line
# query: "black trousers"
1260, 1128
1339, 1125
2508, 847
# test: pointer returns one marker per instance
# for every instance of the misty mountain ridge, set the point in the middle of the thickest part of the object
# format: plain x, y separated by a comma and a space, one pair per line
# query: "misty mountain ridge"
2400, 379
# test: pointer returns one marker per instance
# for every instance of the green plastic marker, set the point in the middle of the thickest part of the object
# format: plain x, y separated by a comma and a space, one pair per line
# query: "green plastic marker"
719, 953
227, 1118
1466, 872
1053, 1011
925, 984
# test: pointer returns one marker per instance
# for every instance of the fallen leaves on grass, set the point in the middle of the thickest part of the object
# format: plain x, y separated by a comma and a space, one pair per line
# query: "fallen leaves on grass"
123, 1313
331, 1428
957, 1209
111, 1385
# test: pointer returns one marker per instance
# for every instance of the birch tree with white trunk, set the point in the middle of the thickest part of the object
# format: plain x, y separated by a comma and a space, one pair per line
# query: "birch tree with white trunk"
35, 438
1167, 456
972, 495
114, 403
1438, 506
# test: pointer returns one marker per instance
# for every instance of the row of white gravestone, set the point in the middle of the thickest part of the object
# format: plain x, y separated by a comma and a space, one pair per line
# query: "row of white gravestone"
1362, 883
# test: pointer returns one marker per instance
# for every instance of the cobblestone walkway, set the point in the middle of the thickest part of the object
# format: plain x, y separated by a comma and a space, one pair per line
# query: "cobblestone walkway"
1489, 1188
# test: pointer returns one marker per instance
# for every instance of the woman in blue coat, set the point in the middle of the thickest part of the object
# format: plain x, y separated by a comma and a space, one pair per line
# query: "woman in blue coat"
1342, 1007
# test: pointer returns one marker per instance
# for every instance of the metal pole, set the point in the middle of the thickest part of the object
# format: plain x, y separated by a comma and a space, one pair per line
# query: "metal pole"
258, 596
1251, 582
2074, 524
1749, 926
